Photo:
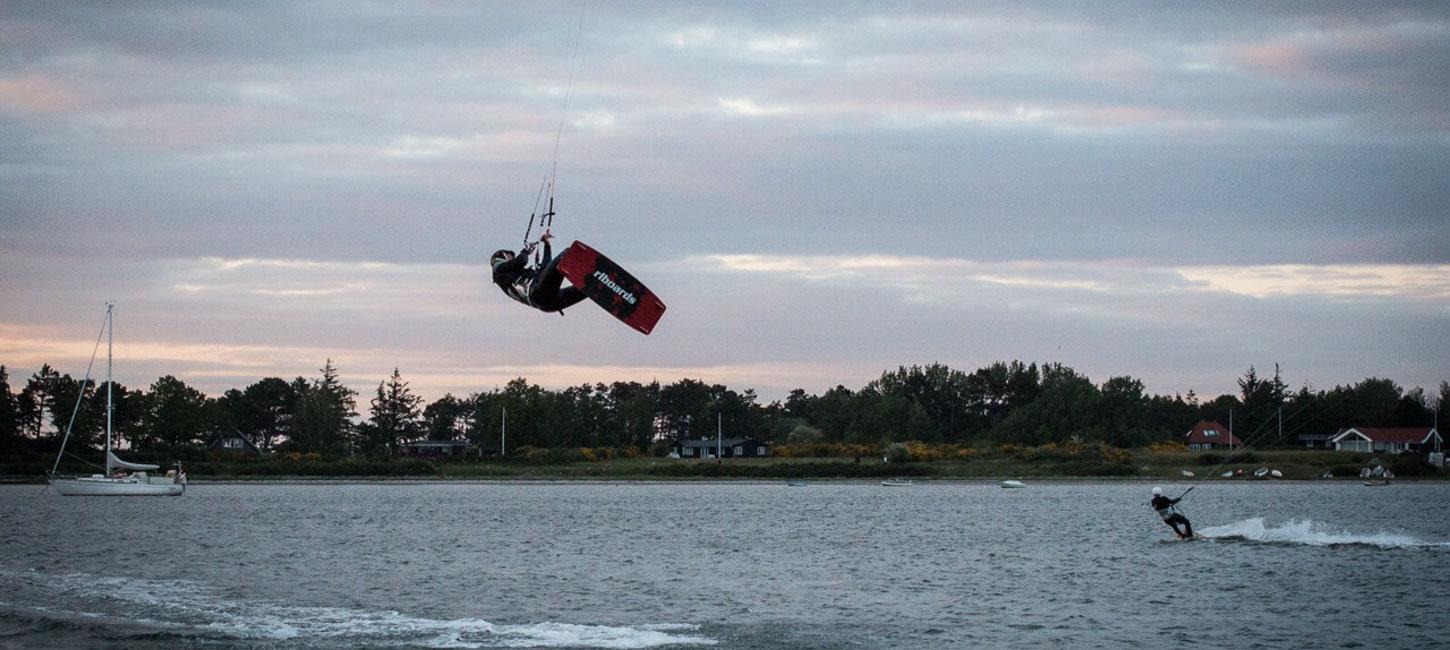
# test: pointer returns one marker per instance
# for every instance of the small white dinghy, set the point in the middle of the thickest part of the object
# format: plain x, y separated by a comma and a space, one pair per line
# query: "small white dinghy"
1010, 484
896, 482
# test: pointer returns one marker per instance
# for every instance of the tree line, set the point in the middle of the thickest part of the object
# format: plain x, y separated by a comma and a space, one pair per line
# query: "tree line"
1005, 402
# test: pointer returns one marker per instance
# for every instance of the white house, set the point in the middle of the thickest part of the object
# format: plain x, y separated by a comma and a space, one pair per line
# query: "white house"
1389, 440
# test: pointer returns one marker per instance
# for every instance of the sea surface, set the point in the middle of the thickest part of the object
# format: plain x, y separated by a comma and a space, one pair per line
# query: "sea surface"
722, 565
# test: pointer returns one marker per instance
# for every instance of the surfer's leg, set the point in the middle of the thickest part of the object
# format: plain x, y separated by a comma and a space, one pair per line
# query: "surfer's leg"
569, 296
544, 292
1177, 519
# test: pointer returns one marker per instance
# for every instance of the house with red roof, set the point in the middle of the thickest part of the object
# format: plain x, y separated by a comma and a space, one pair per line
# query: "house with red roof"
1392, 440
1209, 434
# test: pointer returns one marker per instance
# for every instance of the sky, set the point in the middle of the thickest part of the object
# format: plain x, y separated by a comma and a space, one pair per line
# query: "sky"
819, 191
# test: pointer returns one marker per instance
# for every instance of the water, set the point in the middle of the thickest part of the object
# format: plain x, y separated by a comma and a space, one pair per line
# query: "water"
724, 566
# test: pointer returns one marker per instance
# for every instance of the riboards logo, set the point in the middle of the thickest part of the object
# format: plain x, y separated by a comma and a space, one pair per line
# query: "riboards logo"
604, 279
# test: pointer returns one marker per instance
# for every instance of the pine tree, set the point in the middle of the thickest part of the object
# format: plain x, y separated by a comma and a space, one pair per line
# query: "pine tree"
396, 417
9, 413
325, 414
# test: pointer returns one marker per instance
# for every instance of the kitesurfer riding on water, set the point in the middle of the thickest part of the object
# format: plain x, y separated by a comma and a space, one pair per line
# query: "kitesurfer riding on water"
536, 286
1167, 510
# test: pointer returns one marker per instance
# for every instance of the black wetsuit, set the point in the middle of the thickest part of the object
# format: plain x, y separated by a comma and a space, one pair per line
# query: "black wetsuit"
1171, 516
536, 287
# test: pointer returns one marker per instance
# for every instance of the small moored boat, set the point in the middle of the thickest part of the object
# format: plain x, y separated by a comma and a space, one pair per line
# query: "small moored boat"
121, 478
1010, 484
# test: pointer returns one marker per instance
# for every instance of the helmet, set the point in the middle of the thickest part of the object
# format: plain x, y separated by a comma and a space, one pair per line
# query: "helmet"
1157, 491
500, 255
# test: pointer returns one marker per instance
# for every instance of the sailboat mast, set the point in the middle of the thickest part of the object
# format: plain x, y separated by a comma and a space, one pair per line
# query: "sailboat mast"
110, 336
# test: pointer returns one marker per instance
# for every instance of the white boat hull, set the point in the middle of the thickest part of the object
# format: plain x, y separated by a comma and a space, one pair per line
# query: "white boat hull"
130, 486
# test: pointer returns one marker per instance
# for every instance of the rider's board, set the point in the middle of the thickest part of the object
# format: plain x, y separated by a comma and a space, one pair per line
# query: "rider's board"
612, 287
1196, 538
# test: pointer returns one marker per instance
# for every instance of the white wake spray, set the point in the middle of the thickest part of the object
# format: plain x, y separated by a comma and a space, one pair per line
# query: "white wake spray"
180, 605
1309, 532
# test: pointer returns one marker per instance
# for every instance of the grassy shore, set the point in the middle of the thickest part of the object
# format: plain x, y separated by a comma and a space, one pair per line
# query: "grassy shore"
1027, 463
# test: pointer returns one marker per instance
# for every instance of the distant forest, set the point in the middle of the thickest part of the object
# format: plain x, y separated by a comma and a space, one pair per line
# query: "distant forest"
1025, 404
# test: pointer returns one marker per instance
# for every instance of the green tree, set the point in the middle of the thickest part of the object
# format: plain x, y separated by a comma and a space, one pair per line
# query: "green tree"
263, 412
833, 412
323, 420
1169, 417
633, 411
127, 412
9, 414
1062, 410
1123, 412
176, 415
993, 392
1413, 410
74, 407
942, 393
1262, 399
888, 418
36, 403
681, 406
446, 419
396, 418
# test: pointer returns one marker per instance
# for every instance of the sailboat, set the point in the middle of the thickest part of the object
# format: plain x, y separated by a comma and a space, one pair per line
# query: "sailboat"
121, 478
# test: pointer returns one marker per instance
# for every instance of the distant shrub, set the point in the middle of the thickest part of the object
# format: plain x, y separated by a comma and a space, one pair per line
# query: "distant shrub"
805, 435
1098, 469
898, 453
1165, 447
1210, 459
1343, 471
1411, 464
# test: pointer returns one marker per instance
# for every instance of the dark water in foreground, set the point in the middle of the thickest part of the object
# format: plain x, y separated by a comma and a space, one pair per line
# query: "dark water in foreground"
725, 565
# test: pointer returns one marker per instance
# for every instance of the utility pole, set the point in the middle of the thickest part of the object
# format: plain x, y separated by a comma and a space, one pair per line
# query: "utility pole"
503, 437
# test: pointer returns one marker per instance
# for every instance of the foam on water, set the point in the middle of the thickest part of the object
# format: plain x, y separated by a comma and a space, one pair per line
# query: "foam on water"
183, 606
1309, 532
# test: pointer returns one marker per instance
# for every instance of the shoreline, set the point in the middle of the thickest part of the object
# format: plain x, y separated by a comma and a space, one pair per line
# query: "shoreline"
916, 481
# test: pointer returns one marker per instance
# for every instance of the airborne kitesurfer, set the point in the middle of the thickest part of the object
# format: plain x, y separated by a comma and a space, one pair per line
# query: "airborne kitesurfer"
1167, 510
536, 286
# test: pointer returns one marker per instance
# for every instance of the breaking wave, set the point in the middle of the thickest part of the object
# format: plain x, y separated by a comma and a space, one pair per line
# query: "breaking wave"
1308, 532
190, 610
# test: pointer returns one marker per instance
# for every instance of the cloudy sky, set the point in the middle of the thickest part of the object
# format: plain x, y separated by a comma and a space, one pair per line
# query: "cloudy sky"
818, 190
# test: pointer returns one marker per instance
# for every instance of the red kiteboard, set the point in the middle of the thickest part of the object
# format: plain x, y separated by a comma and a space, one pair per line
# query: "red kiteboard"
612, 287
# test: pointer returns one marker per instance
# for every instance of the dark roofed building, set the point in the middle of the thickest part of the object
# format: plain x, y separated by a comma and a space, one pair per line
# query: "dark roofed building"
1316, 440
1393, 440
234, 442
728, 448
434, 448
1209, 434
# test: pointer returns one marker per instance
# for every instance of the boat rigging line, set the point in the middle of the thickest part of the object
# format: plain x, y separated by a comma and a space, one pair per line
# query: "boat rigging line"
81, 394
